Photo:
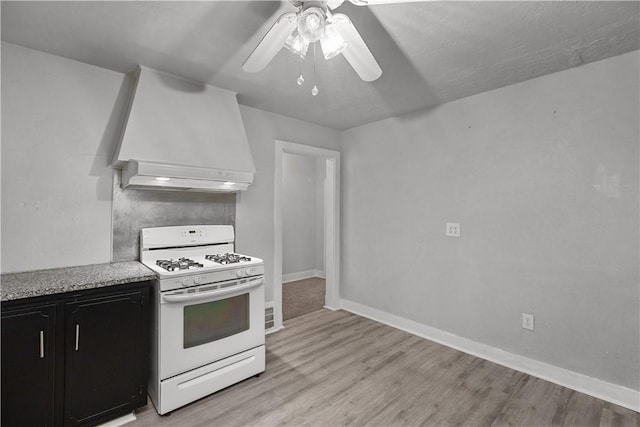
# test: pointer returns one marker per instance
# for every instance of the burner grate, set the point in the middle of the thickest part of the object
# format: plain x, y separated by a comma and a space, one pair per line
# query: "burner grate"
228, 258
178, 264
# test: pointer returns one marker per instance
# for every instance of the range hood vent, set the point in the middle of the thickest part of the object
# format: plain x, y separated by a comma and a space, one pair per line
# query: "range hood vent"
182, 135
163, 176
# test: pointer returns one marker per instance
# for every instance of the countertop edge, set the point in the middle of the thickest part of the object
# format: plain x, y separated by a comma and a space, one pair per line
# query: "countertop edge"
32, 284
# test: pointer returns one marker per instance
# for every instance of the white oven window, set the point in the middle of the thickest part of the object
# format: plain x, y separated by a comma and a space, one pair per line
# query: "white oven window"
211, 321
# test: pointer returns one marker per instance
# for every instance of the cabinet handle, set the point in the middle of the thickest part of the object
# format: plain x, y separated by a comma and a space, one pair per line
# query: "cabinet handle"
41, 344
77, 335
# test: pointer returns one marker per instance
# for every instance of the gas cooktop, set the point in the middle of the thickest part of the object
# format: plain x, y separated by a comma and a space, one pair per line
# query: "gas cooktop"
185, 263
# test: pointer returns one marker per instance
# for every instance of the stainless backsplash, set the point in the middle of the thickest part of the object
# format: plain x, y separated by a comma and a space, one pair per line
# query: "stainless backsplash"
137, 209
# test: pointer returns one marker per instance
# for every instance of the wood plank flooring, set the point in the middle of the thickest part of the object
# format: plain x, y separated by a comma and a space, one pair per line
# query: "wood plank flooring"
331, 368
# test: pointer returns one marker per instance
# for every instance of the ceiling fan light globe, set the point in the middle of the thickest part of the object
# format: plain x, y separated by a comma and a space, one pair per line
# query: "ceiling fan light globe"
297, 45
331, 42
311, 23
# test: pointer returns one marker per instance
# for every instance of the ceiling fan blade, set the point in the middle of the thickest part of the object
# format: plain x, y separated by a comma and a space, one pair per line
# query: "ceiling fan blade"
357, 53
271, 43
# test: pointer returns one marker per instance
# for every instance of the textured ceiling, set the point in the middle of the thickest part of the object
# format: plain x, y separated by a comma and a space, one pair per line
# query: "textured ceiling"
430, 52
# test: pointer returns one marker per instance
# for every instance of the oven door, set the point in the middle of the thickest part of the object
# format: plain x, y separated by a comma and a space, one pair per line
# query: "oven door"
206, 323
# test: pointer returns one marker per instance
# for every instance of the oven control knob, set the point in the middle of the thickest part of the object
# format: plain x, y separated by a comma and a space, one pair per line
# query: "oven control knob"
247, 272
197, 280
186, 281
239, 273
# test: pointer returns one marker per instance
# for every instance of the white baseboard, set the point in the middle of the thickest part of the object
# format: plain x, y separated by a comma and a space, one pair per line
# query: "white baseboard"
610, 392
292, 277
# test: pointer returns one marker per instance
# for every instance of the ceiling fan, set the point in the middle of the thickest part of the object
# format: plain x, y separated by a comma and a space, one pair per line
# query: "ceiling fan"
314, 21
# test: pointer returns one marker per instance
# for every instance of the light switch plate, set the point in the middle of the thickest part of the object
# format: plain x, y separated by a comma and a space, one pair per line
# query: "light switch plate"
453, 229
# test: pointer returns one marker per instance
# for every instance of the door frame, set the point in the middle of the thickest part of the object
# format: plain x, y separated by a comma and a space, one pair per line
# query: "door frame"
331, 222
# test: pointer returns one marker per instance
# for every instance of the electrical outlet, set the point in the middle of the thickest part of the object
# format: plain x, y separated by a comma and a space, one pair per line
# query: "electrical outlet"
453, 229
527, 321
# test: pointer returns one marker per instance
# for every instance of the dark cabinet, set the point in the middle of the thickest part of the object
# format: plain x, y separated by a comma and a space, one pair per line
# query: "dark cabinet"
28, 362
104, 370
80, 360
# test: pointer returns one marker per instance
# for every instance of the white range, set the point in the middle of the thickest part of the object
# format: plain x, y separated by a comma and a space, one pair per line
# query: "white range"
208, 315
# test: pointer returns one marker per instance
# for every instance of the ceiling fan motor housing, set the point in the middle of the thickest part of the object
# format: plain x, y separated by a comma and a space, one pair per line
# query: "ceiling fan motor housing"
312, 19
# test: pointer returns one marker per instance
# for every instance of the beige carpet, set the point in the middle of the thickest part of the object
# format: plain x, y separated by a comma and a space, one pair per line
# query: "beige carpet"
302, 297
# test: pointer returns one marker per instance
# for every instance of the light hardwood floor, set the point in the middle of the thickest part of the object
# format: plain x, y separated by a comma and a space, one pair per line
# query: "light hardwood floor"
335, 368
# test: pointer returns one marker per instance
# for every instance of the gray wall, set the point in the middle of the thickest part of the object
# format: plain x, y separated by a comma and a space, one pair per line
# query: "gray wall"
302, 218
543, 176
58, 128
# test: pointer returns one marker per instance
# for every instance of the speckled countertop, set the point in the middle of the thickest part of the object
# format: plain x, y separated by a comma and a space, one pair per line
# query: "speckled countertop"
59, 280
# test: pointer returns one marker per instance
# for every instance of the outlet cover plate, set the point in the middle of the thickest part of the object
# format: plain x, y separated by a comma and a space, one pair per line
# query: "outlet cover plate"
453, 229
528, 321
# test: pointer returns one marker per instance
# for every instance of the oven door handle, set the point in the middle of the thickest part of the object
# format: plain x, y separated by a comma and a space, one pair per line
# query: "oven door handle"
214, 293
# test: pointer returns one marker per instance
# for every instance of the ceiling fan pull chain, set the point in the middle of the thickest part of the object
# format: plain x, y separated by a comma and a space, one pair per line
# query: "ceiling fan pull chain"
300, 79
314, 91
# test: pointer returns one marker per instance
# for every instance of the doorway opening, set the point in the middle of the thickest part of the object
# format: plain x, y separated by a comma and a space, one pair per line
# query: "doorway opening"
324, 165
303, 279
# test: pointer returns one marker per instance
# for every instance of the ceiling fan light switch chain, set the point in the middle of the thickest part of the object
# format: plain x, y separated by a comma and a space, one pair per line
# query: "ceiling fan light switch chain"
300, 79
314, 91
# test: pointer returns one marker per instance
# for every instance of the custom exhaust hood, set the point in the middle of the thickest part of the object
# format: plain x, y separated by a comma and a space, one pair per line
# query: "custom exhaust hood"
182, 135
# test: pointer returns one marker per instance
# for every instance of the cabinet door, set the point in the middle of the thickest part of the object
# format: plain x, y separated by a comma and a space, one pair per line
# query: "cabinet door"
28, 343
104, 356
